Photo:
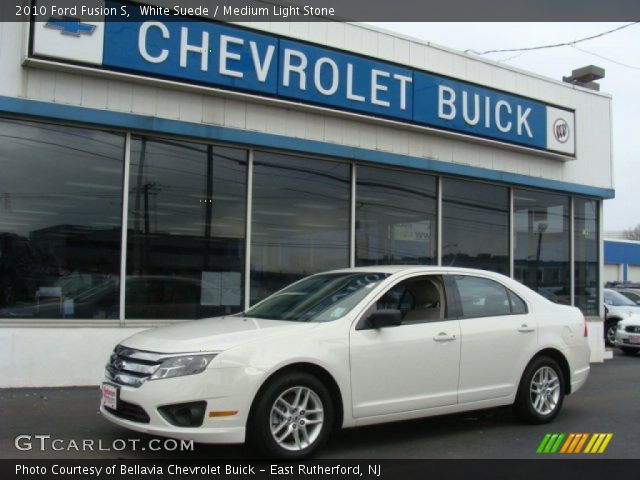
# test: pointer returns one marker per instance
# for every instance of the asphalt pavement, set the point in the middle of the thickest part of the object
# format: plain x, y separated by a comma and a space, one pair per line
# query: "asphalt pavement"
608, 403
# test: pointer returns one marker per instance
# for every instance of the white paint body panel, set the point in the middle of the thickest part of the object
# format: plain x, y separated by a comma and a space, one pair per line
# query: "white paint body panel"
410, 370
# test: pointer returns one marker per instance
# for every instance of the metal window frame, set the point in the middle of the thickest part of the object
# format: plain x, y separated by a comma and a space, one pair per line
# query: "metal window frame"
439, 221
352, 216
247, 230
124, 228
572, 251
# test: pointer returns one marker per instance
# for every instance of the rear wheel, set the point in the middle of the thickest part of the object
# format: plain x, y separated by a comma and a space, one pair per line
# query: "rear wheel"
541, 391
629, 351
610, 332
293, 416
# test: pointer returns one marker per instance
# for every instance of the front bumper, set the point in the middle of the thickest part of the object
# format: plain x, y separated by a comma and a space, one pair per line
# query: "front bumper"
223, 390
200, 434
625, 339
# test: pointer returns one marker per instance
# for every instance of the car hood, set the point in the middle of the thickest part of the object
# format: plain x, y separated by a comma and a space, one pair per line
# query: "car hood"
211, 334
631, 320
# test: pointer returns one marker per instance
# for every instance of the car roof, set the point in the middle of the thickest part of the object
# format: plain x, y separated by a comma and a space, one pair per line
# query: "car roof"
393, 269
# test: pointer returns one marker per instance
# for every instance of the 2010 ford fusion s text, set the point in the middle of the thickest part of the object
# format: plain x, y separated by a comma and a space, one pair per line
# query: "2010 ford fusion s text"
347, 348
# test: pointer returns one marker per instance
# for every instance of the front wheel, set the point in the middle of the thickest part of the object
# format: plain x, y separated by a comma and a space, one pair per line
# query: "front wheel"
610, 332
293, 416
541, 391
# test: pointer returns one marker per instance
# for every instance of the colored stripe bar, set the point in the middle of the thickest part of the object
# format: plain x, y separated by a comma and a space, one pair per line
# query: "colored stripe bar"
591, 443
550, 443
543, 443
607, 439
581, 443
555, 447
570, 438
599, 442
574, 444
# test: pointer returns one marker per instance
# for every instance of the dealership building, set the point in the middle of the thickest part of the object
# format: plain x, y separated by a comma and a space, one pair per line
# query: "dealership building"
155, 171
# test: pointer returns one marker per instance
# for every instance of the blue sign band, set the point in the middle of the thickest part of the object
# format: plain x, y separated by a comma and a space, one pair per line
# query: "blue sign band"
219, 55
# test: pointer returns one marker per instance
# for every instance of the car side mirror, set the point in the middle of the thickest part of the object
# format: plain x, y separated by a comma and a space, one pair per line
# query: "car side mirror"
382, 318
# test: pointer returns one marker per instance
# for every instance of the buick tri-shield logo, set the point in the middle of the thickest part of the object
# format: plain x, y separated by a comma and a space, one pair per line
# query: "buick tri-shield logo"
561, 130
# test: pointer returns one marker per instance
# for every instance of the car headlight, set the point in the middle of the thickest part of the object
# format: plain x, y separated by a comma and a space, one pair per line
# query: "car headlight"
182, 365
620, 326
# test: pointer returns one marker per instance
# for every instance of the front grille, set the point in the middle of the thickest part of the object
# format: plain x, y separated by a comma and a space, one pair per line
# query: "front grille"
131, 367
129, 411
632, 329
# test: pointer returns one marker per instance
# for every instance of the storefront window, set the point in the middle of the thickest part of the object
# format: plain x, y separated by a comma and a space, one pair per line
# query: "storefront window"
586, 255
475, 225
60, 217
186, 235
300, 220
395, 217
541, 250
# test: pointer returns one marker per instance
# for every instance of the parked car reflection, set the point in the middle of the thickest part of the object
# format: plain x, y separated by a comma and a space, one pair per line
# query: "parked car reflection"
147, 297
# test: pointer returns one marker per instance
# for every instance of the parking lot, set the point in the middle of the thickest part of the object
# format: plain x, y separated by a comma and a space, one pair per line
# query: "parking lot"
608, 403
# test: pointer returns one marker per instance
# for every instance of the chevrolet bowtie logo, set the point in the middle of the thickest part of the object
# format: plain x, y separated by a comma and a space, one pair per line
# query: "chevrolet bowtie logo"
70, 26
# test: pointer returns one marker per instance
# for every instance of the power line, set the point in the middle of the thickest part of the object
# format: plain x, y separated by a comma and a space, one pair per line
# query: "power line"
554, 45
606, 58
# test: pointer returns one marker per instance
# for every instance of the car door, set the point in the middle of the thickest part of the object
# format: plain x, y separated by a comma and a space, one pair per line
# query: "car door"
498, 337
411, 366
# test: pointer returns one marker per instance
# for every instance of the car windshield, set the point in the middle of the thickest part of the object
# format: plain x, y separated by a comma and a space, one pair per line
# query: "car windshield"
617, 299
320, 298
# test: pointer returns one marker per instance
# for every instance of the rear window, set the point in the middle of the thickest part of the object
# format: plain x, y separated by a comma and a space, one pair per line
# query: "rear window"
482, 297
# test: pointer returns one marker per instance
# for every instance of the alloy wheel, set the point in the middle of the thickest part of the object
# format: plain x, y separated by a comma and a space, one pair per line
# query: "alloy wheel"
545, 390
296, 418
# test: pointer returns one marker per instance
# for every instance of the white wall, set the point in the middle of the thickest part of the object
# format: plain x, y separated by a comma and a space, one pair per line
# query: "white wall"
56, 357
633, 273
611, 273
595, 330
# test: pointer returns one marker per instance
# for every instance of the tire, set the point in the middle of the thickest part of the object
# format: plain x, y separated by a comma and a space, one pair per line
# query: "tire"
291, 435
610, 332
542, 373
629, 351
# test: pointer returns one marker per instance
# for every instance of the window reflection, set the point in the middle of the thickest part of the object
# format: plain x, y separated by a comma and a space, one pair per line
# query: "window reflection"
541, 250
300, 220
60, 210
586, 255
186, 230
395, 217
475, 225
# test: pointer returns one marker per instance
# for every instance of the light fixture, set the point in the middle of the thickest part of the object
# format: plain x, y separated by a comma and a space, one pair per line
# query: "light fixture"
586, 77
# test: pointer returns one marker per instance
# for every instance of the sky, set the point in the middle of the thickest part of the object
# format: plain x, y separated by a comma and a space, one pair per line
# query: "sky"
616, 52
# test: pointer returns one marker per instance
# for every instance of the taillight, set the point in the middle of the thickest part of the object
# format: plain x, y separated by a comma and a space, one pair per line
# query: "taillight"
586, 331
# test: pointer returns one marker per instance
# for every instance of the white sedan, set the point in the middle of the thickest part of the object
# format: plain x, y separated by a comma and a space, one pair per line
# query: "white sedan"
346, 348
627, 336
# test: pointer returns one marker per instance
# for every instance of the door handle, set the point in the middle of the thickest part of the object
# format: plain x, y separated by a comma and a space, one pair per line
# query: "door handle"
524, 328
444, 337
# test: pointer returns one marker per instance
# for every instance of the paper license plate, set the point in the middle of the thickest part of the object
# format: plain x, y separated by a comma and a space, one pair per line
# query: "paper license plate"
110, 396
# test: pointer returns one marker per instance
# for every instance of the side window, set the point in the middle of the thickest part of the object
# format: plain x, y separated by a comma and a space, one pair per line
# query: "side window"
420, 299
518, 307
481, 297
